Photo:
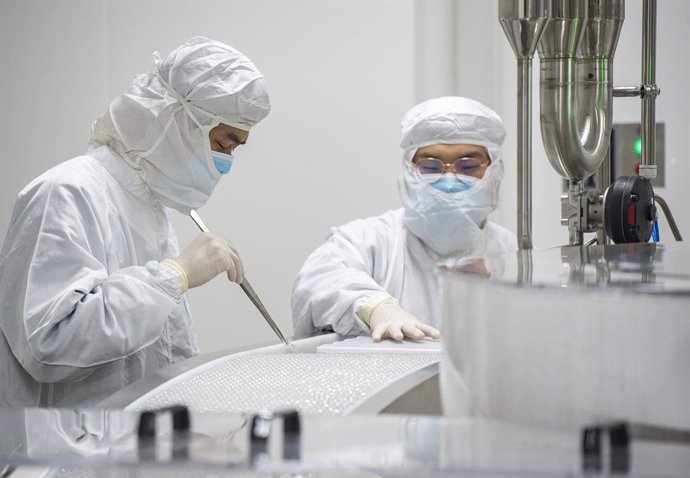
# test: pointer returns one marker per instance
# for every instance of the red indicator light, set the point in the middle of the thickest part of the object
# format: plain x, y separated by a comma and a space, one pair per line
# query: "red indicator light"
631, 214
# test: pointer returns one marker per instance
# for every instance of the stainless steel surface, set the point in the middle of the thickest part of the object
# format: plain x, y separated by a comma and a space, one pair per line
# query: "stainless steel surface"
198, 221
353, 446
647, 91
649, 85
627, 91
605, 19
595, 215
576, 43
603, 181
524, 171
576, 46
572, 211
288, 440
669, 217
564, 31
523, 22
525, 268
582, 210
246, 287
600, 40
249, 290
576, 52
593, 241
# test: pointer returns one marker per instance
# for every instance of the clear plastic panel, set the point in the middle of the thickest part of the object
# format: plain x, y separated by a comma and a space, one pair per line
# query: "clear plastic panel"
566, 338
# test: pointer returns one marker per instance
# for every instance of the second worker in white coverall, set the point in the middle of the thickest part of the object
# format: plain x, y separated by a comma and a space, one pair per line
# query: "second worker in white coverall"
376, 275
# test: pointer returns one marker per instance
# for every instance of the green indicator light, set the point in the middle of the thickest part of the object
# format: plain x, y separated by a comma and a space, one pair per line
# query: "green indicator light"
637, 146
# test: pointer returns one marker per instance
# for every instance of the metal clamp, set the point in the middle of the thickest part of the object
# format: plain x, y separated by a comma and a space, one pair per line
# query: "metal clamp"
261, 427
581, 211
642, 91
181, 425
649, 91
620, 434
594, 457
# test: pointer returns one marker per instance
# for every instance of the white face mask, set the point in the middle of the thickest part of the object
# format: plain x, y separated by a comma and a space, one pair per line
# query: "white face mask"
448, 222
179, 169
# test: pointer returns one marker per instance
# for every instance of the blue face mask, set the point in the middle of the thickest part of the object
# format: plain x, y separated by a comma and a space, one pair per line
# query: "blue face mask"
449, 183
222, 161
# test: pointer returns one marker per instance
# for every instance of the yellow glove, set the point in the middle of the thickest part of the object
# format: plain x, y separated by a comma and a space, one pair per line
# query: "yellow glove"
206, 257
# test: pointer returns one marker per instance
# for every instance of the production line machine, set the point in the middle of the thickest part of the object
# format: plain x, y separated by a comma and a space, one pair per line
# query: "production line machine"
576, 41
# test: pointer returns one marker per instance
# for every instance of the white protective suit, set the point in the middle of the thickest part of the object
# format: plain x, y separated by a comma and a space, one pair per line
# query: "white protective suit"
88, 307
393, 255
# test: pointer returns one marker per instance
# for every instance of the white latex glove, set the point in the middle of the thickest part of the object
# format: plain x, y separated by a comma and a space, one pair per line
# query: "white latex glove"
206, 257
388, 319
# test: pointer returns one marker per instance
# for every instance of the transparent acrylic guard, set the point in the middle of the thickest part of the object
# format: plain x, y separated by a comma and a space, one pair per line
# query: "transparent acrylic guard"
570, 336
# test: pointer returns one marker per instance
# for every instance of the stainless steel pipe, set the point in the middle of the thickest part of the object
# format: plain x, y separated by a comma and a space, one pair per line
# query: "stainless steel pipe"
523, 22
627, 91
603, 180
576, 52
524, 154
649, 88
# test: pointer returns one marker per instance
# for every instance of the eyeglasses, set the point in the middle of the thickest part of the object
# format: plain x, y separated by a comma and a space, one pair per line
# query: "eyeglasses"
465, 166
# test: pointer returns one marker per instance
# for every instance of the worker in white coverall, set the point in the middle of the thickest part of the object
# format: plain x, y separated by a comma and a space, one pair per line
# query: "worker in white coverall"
92, 287
376, 275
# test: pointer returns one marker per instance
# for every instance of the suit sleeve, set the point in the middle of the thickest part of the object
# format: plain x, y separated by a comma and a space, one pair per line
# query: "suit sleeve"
335, 279
66, 312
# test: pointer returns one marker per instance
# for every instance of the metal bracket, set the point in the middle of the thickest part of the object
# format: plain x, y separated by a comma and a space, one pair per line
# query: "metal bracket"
582, 211
261, 426
181, 425
649, 91
614, 454
594, 444
642, 91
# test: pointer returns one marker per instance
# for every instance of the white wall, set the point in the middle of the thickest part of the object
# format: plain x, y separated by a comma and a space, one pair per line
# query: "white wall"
340, 74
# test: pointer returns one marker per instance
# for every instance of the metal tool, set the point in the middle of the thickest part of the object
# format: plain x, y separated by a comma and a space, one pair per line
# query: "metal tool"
246, 287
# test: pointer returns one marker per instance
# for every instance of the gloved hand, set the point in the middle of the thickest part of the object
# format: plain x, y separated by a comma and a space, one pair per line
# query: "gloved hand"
206, 257
388, 319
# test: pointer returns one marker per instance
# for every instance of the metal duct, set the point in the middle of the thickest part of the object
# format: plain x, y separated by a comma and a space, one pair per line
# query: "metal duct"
576, 52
